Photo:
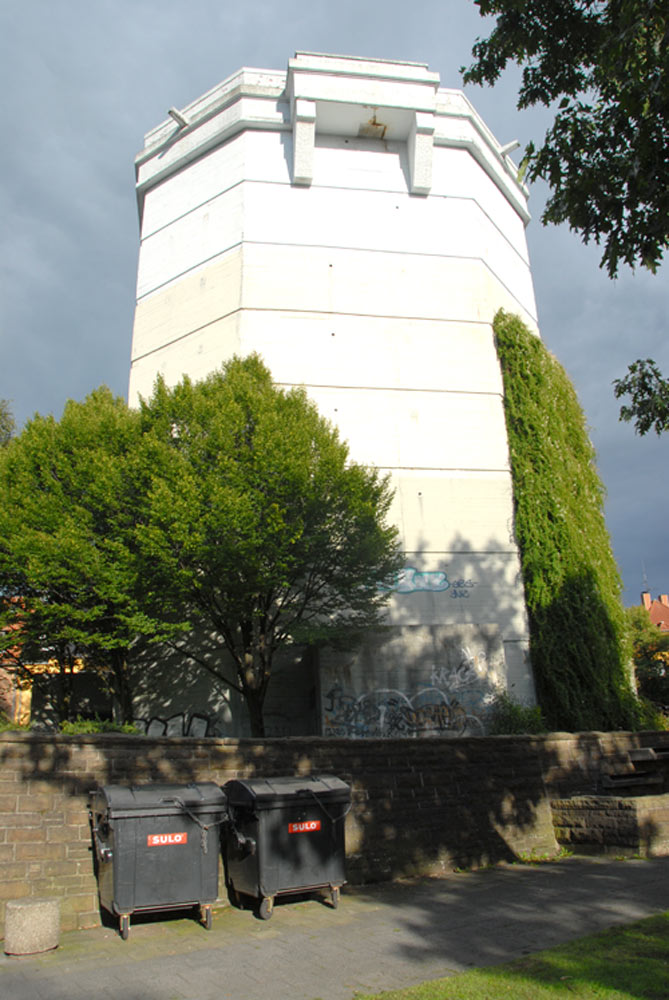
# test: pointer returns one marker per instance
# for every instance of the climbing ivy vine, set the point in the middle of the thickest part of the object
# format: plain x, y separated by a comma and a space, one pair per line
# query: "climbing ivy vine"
578, 642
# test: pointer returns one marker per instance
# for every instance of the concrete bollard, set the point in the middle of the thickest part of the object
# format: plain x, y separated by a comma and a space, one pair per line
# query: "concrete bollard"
31, 925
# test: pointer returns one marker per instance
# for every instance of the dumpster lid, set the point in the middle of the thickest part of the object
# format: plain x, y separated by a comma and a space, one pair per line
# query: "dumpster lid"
159, 799
268, 793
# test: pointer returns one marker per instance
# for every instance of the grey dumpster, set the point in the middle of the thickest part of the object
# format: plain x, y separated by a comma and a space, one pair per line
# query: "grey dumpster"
157, 847
285, 835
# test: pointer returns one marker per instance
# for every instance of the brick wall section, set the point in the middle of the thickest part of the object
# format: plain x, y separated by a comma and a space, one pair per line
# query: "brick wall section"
614, 825
418, 805
571, 762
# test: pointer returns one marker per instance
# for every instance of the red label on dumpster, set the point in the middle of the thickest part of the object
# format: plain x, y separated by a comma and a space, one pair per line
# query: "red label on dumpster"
309, 826
165, 839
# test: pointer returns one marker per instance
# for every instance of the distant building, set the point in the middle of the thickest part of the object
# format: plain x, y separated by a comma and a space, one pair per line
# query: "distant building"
658, 610
15, 697
31, 688
359, 227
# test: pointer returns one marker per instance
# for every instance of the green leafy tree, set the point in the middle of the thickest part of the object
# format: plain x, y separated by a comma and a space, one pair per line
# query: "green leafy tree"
650, 655
7, 425
69, 573
259, 525
649, 397
604, 66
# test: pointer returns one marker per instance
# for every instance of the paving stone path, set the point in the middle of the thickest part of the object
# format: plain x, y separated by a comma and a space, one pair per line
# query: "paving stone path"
381, 937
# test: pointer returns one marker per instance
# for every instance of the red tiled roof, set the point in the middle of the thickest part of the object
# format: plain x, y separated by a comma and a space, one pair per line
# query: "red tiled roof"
659, 615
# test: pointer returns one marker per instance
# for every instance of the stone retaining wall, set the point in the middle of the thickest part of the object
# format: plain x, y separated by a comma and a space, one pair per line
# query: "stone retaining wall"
418, 805
611, 825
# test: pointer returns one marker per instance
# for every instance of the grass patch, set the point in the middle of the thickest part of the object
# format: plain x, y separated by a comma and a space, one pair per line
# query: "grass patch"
622, 963
7, 726
532, 858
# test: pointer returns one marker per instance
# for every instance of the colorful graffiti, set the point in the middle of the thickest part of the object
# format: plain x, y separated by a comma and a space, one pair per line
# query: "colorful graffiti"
388, 712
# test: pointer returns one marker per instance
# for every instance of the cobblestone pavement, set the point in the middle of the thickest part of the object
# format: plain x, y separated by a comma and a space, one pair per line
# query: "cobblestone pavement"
381, 937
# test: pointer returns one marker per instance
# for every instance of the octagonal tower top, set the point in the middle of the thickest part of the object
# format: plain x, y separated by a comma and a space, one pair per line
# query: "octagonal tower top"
335, 95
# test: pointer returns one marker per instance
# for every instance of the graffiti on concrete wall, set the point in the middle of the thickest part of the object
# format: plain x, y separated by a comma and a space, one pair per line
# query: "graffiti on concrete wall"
467, 673
176, 725
415, 681
388, 712
410, 580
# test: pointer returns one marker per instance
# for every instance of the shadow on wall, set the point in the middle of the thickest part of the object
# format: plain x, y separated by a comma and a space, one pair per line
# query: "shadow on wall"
649, 834
170, 687
414, 681
86, 692
459, 637
418, 805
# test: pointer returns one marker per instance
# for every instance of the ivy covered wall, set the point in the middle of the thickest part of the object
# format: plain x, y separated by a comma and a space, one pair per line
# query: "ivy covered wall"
578, 642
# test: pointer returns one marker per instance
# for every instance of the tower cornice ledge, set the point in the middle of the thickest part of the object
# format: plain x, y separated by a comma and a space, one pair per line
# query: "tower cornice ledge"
332, 95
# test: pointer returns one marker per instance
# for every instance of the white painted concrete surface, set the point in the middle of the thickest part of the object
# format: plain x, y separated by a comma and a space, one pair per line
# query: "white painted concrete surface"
359, 227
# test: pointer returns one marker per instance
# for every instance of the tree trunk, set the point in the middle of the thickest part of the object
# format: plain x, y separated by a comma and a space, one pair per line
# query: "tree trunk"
254, 666
254, 703
122, 685
65, 684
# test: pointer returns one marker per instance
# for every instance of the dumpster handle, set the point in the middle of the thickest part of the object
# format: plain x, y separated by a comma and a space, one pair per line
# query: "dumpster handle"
204, 827
333, 819
244, 843
103, 853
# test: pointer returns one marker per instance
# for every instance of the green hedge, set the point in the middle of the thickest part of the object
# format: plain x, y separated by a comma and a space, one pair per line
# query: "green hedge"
578, 641
79, 726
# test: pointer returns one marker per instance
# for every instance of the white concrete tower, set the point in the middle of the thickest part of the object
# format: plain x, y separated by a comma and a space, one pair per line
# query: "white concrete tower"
359, 227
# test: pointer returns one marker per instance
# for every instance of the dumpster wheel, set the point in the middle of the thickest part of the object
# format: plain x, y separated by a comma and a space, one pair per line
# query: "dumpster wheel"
124, 925
334, 896
266, 907
207, 918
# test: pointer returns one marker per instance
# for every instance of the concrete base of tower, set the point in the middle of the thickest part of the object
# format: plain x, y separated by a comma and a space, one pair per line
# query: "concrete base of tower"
398, 681
420, 680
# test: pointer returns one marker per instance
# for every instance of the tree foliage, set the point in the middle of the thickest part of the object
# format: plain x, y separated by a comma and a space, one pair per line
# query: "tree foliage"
578, 636
258, 524
603, 65
649, 397
69, 571
224, 512
7, 425
650, 655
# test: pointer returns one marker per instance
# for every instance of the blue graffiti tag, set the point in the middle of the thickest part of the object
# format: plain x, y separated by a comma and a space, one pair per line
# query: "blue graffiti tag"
410, 580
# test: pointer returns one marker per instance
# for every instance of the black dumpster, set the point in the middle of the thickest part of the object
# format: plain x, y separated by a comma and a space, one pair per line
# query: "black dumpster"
285, 835
157, 847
